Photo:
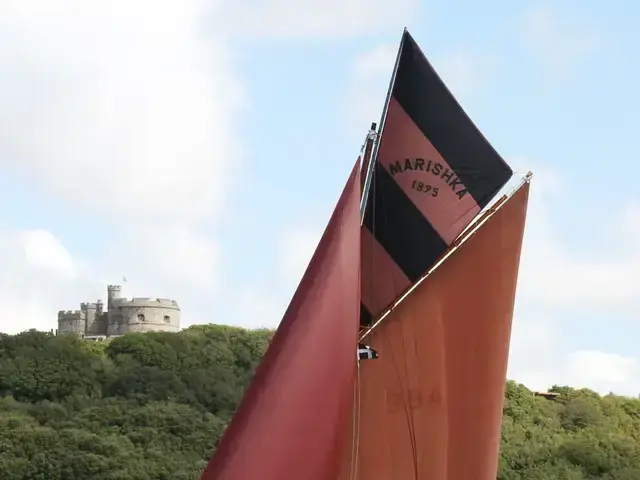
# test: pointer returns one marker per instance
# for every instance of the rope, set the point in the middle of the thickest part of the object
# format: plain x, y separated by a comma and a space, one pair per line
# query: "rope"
355, 441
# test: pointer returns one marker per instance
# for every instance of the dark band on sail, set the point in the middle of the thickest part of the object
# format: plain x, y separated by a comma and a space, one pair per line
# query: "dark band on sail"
434, 173
404, 233
365, 316
400, 228
427, 100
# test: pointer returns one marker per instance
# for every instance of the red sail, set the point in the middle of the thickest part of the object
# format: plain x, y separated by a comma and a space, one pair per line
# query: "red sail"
430, 406
290, 423
433, 173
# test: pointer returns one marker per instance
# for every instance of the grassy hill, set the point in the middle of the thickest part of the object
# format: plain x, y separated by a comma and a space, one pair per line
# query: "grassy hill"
152, 406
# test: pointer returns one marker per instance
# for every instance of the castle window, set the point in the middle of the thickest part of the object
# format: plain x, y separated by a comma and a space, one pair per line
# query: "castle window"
141, 318
167, 319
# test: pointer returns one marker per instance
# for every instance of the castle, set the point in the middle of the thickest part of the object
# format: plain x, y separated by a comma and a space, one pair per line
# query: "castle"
122, 316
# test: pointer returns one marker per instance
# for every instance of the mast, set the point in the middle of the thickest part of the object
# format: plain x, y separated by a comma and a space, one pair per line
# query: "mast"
375, 137
366, 151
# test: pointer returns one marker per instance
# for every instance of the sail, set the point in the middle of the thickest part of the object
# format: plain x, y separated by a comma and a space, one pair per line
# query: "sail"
433, 173
430, 406
290, 423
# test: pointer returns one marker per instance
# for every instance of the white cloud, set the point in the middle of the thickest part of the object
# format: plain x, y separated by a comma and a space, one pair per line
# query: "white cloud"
176, 253
556, 281
38, 277
260, 308
127, 110
297, 249
557, 275
43, 251
126, 107
317, 18
560, 39
604, 371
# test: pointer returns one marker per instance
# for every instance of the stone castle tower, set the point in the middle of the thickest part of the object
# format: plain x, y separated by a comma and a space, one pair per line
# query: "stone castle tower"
122, 316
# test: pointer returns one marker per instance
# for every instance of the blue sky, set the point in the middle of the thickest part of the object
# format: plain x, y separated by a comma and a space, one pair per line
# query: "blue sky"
197, 148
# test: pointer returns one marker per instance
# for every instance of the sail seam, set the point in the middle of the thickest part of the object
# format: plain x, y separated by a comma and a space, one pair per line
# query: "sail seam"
355, 440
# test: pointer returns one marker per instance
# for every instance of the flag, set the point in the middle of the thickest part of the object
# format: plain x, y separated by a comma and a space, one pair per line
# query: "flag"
365, 352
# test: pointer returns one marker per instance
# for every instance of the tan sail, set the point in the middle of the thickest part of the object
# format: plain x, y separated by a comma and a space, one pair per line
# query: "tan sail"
430, 407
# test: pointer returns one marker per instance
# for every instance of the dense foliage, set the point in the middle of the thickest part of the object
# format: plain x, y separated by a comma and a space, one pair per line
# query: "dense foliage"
141, 407
152, 406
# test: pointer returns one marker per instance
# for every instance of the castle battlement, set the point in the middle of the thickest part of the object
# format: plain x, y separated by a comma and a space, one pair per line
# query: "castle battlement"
146, 301
139, 314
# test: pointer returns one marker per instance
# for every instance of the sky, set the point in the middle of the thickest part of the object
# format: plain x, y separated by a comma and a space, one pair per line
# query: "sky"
197, 148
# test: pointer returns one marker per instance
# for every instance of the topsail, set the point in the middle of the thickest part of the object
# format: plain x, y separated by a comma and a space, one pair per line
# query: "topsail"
433, 173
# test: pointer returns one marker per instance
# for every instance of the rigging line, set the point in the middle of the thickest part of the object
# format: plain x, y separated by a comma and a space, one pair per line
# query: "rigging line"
374, 205
414, 451
355, 425
358, 396
483, 211
412, 428
462, 238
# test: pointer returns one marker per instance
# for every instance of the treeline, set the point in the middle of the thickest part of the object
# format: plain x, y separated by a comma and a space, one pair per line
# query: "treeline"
153, 406
578, 436
141, 407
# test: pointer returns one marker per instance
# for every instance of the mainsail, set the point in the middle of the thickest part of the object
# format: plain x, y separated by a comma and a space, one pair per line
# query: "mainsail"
290, 423
417, 394
432, 174
430, 407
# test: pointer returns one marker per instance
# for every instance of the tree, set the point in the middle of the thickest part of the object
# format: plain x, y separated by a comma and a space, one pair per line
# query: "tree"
154, 406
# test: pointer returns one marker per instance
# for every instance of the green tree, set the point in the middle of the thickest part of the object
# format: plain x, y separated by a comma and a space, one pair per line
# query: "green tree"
154, 406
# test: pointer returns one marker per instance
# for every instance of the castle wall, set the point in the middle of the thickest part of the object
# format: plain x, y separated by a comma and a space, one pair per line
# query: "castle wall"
71, 321
122, 316
98, 325
143, 315
94, 324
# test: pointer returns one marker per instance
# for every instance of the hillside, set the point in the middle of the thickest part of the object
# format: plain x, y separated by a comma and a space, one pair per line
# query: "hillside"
152, 406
